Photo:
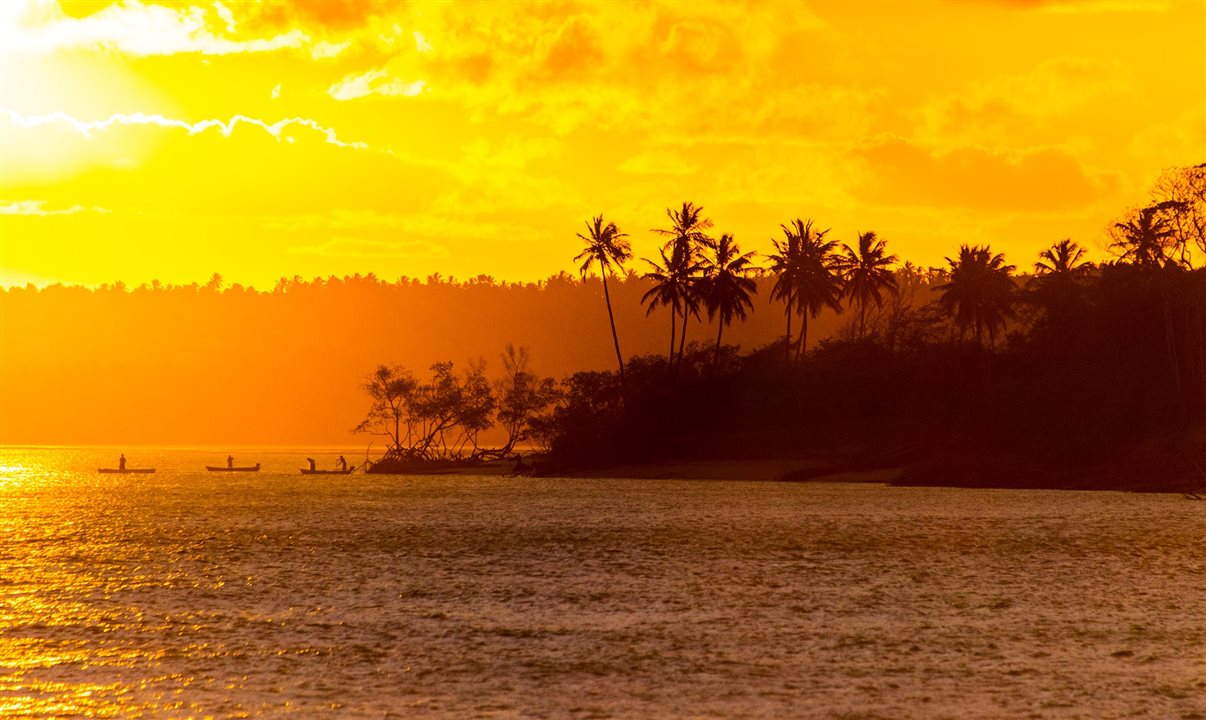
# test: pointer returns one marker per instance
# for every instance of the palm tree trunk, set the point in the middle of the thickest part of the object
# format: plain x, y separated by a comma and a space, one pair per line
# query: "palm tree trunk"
614, 337
803, 347
673, 325
787, 340
719, 330
682, 343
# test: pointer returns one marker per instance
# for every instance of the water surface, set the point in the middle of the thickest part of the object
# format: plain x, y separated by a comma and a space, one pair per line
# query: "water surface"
186, 593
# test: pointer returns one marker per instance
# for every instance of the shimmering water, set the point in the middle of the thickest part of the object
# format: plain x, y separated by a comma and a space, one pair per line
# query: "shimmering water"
188, 594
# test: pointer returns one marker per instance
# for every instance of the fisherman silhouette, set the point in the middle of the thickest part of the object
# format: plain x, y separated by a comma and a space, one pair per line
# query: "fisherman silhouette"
121, 462
230, 461
343, 464
311, 461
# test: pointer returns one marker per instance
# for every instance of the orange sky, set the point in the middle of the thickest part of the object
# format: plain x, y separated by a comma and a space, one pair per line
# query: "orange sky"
172, 140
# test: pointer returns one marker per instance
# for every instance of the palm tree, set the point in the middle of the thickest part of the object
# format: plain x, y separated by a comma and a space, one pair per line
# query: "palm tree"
818, 284
1064, 259
806, 278
1145, 239
785, 263
607, 247
980, 292
727, 287
866, 274
1149, 241
1056, 290
673, 287
686, 240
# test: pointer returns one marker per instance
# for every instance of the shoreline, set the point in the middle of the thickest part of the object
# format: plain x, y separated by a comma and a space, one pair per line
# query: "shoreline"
987, 476
1133, 478
768, 470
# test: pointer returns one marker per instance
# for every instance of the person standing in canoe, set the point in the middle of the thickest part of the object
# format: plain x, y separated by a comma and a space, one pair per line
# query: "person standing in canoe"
230, 461
311, 461
121, 462
343, 464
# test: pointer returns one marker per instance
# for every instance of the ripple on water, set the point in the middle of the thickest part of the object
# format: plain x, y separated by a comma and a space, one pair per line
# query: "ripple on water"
181, 594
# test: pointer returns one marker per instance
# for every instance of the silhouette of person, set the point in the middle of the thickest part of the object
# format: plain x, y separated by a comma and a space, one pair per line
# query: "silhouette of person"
343, 464
311, 461
230, 461
121, 462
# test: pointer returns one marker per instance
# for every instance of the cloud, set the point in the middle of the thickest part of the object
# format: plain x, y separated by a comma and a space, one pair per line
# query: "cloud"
225, 127
347, 246
901, 173
1052, 102
329, 15
421, 44
431, 226
324, 50
38, 208
1068, 7
138, 28
374, 82
657, 162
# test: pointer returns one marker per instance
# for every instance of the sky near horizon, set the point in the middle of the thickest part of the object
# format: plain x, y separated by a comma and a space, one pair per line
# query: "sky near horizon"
168, 141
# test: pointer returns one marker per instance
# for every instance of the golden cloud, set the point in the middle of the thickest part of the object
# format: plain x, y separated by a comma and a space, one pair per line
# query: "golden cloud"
901, 173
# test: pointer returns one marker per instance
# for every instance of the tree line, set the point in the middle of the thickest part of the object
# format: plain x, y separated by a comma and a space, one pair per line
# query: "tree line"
1108, 349
1064, 366
811, 272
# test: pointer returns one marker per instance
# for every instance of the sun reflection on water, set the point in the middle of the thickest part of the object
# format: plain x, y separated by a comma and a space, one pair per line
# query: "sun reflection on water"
12, 475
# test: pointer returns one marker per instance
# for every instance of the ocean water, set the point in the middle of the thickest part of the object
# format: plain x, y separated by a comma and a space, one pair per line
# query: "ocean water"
189, 594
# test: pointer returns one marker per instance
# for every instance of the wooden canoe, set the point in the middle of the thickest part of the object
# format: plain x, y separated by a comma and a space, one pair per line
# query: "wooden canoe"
126, 471
306, 471
247, 468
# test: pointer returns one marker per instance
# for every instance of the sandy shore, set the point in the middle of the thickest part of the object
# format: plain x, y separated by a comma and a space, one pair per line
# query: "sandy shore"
818, 470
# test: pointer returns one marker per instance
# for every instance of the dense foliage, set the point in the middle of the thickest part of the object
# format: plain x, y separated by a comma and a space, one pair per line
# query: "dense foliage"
1077, 374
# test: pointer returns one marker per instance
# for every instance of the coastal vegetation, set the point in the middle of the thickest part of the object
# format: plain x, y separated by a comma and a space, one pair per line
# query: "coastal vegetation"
441, 419
1075, 375
1045, 371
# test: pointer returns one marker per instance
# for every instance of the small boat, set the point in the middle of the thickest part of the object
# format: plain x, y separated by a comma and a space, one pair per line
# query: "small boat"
126, 471
348, 471
247, 468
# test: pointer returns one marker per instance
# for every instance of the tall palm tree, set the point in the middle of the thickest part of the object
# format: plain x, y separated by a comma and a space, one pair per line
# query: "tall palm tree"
686, 239
979, 294
818, 284
785, 263
673, 287
1149, 241
806, 279
866, 274
727, 287
607, 247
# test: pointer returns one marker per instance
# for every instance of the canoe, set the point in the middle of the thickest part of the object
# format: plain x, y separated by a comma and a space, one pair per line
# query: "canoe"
126, 471
248, 468
328, 472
